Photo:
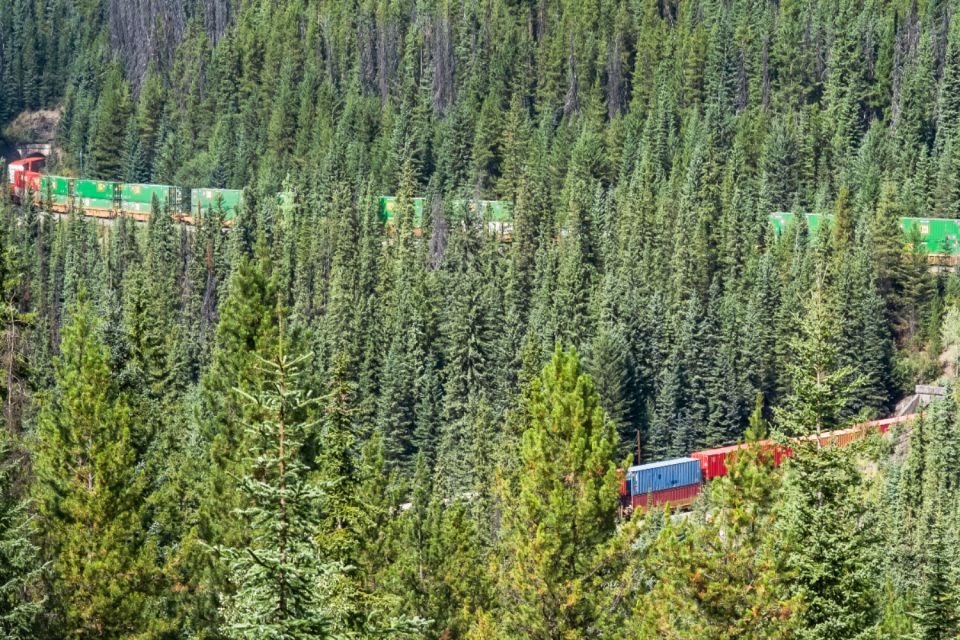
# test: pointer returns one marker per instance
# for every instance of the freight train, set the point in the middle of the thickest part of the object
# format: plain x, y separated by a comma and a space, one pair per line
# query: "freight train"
940, 237
679, 481
108, 199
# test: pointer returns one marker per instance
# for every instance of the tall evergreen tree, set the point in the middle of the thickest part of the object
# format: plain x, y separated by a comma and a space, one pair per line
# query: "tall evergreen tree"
107, 156
21, 592
820, 386
281, 581
90, 491
560, 510
826, 545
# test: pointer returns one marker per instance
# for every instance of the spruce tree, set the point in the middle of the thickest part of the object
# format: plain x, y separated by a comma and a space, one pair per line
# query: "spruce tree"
937, 616
338, 462
825, 542
21, 592
107, 158
820, 387
281, 582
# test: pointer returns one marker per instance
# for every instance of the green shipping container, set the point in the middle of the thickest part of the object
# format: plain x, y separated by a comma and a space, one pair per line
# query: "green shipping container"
137, 199
388, 206
55, 185
496, 210
57, 191
145, 192
782, 219
97, 189
203, 200
938, 235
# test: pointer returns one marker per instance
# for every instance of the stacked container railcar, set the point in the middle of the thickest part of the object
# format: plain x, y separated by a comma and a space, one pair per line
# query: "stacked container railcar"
137, 199
939, 236
676, 482
205, 200
498, 215
98, 198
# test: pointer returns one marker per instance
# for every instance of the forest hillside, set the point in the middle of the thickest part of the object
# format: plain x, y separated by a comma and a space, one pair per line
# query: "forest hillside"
307, 425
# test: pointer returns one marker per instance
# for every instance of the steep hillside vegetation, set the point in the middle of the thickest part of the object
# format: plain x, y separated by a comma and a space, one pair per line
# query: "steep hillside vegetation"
305, 426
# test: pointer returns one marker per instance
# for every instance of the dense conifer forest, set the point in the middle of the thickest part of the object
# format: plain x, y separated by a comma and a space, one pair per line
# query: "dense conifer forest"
309, 426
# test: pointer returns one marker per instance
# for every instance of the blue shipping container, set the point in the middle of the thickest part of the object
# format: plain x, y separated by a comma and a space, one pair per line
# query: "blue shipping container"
666, 474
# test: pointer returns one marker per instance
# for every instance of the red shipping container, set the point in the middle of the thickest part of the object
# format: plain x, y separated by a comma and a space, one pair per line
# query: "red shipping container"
842, 437
713, 462
780, 454
674, 496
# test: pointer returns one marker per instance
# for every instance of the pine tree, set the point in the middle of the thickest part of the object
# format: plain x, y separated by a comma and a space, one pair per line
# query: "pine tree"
821, 527
109, 126
561, 508
612, 371
722, 576
246, 334
937, 617
90, 491
17, 322
820, 387
135, 167
343, 515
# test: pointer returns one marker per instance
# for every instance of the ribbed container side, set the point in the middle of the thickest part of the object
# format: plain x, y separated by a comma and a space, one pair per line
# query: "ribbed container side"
713, 462
206, 199
144, 193
939, 235
841, 438
56, 185
95, 189
667, 474
675, 497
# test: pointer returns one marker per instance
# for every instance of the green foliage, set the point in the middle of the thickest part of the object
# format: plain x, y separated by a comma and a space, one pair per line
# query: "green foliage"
90, 491
281, 581
821, 387
722, 574
643, 146
21, 593
821, 521
561, 508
